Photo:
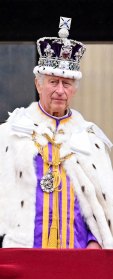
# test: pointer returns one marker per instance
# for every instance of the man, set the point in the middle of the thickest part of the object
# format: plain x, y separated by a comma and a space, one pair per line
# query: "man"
56, 185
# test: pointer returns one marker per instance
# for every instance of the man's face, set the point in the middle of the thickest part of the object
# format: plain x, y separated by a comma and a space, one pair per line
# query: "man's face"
55, 94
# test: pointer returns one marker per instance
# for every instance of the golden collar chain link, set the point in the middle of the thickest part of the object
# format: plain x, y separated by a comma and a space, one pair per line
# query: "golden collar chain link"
51, 180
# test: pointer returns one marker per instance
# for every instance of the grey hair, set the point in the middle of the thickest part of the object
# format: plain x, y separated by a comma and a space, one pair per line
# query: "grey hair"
76, 83
40, 78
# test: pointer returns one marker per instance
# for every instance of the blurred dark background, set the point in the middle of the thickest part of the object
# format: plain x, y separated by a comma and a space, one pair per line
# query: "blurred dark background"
22, 22
25, 20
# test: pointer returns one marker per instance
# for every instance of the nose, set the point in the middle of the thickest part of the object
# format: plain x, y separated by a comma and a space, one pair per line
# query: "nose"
60, 88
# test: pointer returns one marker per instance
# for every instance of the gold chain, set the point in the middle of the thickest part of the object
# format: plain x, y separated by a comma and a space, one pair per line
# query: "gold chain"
57, 160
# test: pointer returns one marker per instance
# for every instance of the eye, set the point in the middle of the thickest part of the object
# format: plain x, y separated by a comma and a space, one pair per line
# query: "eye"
54, 82
66, 84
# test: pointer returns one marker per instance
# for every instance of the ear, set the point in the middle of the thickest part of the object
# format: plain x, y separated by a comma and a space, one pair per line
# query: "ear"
38, 86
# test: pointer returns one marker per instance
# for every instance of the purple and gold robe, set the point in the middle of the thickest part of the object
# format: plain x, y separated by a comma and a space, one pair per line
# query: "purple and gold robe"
73, 231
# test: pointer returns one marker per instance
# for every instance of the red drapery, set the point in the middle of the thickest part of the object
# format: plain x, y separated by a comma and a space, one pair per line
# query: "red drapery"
53, 264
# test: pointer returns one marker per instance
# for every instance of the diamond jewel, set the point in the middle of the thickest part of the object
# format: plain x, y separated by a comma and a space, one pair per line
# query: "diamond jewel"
46, 182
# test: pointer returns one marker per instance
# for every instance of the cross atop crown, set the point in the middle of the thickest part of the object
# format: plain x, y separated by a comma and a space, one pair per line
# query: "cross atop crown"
65, 22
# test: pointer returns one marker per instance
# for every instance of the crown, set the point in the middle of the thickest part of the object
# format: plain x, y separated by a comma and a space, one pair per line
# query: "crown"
60, 56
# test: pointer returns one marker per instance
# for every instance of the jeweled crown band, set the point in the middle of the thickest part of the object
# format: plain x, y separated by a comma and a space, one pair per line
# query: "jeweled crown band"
55, 63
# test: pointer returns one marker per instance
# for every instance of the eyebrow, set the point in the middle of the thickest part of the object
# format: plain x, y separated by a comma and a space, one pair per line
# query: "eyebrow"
52, 78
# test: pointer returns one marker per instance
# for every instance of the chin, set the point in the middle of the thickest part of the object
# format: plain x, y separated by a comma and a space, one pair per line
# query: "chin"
59, 108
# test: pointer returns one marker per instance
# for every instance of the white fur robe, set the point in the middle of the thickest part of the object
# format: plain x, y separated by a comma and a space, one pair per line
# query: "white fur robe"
89, 169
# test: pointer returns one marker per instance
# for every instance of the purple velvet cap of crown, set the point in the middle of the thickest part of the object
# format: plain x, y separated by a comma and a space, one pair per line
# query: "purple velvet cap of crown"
57, 44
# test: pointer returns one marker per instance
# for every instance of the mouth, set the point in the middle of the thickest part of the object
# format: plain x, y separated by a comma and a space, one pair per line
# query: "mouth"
57, 99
